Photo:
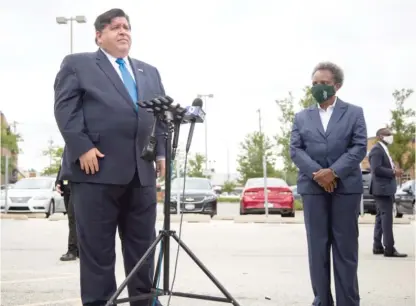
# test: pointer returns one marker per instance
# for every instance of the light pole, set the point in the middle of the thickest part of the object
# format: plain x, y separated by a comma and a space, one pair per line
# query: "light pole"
64, 20
206, 129
266, 196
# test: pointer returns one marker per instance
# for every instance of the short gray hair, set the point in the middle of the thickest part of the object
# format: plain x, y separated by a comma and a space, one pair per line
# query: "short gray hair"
333, 68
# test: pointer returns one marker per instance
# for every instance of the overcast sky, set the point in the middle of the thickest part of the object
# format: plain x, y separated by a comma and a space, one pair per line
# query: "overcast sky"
247, 53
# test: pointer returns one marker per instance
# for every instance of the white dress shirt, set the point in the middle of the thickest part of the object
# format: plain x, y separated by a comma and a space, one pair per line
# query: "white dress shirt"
388, 154
116, 66
326, 114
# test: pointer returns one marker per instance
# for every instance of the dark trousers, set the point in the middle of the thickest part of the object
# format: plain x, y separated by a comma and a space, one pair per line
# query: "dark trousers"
331, 221
383, 227
100, 210
72, 236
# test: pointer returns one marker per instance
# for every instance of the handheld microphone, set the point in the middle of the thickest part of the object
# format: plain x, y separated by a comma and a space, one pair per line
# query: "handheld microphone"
195, 108
149, 151
194, 113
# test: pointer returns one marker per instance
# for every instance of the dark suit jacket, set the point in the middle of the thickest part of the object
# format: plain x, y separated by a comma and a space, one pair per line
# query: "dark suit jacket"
342, 147
94, 109
59, 180
383, 179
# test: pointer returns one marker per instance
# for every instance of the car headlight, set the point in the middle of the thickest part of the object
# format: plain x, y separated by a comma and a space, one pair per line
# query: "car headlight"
173, 199
210, 197
40, 197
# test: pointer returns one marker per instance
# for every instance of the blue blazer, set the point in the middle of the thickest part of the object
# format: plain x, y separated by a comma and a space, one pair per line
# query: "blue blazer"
383, 179
94, 109
341, 147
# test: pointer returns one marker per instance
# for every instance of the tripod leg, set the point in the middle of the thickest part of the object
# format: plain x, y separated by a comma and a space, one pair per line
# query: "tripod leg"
205, 270
156, 279
135, 269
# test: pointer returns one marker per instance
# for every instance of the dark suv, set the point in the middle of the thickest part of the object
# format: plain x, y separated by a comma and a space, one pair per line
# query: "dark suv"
369, 203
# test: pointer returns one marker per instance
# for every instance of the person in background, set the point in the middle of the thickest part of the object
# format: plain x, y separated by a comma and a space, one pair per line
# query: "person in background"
64, 188
328, 143
383, 188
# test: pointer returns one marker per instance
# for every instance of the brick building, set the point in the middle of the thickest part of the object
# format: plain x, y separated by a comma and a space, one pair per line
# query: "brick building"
4, 151
409, 175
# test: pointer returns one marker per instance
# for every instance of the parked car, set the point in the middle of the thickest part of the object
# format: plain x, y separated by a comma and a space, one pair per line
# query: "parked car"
279, 197
199, 196
368, 199
33, 195
405, 199
296, 195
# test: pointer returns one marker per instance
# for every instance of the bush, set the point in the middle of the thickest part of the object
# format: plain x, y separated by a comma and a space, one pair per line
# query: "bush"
228, 200
298, 205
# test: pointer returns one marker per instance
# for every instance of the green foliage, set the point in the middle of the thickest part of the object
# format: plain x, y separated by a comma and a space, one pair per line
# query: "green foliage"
9, 141
196, 166
287, 108
229, 186
250, 161
402, 124
228, 200
298, 205
55, 155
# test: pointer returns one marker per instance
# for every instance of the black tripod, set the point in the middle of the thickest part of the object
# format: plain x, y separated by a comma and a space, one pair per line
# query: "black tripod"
170, 115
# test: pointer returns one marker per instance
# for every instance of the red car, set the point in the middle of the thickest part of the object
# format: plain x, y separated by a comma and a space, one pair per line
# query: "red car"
280, 197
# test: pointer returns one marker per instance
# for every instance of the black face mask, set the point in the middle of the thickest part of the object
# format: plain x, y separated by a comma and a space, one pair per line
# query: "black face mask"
322, 92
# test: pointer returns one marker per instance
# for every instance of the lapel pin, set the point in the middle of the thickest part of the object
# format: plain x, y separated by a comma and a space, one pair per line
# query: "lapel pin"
141, 70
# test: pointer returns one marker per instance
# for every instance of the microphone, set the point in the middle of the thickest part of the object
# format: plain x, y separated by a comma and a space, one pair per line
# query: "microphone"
149, 151
194, 115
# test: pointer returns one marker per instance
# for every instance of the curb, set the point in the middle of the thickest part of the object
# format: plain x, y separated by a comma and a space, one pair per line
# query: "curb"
190, 218
14, 216
56, 217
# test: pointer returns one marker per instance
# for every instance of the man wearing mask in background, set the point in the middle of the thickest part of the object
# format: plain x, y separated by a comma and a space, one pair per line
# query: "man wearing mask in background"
383, 188
328, 143
64, 188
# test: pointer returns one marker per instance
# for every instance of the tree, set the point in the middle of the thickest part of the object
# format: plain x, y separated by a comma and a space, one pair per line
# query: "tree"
196, 166
10, 142
55, 156
287, 114
250, 161
402, 124
229, 186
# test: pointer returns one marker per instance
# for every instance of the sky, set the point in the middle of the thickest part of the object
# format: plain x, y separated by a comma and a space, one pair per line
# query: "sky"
247, 53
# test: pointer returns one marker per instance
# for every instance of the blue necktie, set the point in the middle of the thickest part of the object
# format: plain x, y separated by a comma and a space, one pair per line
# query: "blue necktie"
128, 81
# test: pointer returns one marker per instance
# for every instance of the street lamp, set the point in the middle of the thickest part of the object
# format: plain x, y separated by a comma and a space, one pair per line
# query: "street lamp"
64, 20
206, 129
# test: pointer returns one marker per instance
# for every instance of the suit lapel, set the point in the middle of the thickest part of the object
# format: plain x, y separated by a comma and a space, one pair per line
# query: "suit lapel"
339, 110
316, 119
110, 72
140, 77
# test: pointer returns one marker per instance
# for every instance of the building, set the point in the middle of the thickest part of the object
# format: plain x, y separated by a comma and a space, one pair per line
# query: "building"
409, 175
5, 128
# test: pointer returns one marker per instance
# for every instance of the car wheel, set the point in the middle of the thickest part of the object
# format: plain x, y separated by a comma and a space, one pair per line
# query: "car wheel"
51, 209
289, 215
396, 213
242, 212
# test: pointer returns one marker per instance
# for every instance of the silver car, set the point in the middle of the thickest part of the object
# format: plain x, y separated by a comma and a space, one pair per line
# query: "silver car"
33, 195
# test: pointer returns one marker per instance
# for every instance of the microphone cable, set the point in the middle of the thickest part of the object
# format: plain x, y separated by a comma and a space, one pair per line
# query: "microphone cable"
180, 228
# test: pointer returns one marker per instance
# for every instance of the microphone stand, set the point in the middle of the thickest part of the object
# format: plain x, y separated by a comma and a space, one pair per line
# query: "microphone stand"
174, 115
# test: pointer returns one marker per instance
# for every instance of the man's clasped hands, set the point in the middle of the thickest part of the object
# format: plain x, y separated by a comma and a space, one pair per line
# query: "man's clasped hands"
326, 179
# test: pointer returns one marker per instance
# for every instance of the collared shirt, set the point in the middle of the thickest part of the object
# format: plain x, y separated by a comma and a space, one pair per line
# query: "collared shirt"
116, 66
326, 114
388, 154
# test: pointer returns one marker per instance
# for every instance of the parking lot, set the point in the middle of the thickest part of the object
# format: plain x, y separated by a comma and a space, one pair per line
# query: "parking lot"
259, 263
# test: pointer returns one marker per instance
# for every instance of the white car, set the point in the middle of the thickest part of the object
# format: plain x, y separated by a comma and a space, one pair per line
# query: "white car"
33, 195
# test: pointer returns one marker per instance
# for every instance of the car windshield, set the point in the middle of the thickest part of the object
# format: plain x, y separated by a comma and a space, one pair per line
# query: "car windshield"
33, 184
201, 184
271, 182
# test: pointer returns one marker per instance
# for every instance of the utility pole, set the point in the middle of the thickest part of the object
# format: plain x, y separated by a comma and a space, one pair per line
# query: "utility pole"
50, 151
263, 151
228, 164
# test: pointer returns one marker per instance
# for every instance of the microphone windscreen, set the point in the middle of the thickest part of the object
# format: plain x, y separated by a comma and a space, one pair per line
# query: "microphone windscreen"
197, 102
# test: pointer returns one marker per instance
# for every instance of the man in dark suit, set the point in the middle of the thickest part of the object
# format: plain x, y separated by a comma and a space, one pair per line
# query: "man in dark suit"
328, 143
64, 188
383, 188
105, 132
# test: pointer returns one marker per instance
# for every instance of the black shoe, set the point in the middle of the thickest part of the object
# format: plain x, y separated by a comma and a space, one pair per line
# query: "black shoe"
394, 254
68, 257
378, 251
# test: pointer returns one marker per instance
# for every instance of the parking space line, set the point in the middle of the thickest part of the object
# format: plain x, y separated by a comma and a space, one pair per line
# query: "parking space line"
44, 279
53, 302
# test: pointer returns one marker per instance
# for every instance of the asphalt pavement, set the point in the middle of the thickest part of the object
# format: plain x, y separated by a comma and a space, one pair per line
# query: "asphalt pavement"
260, 264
